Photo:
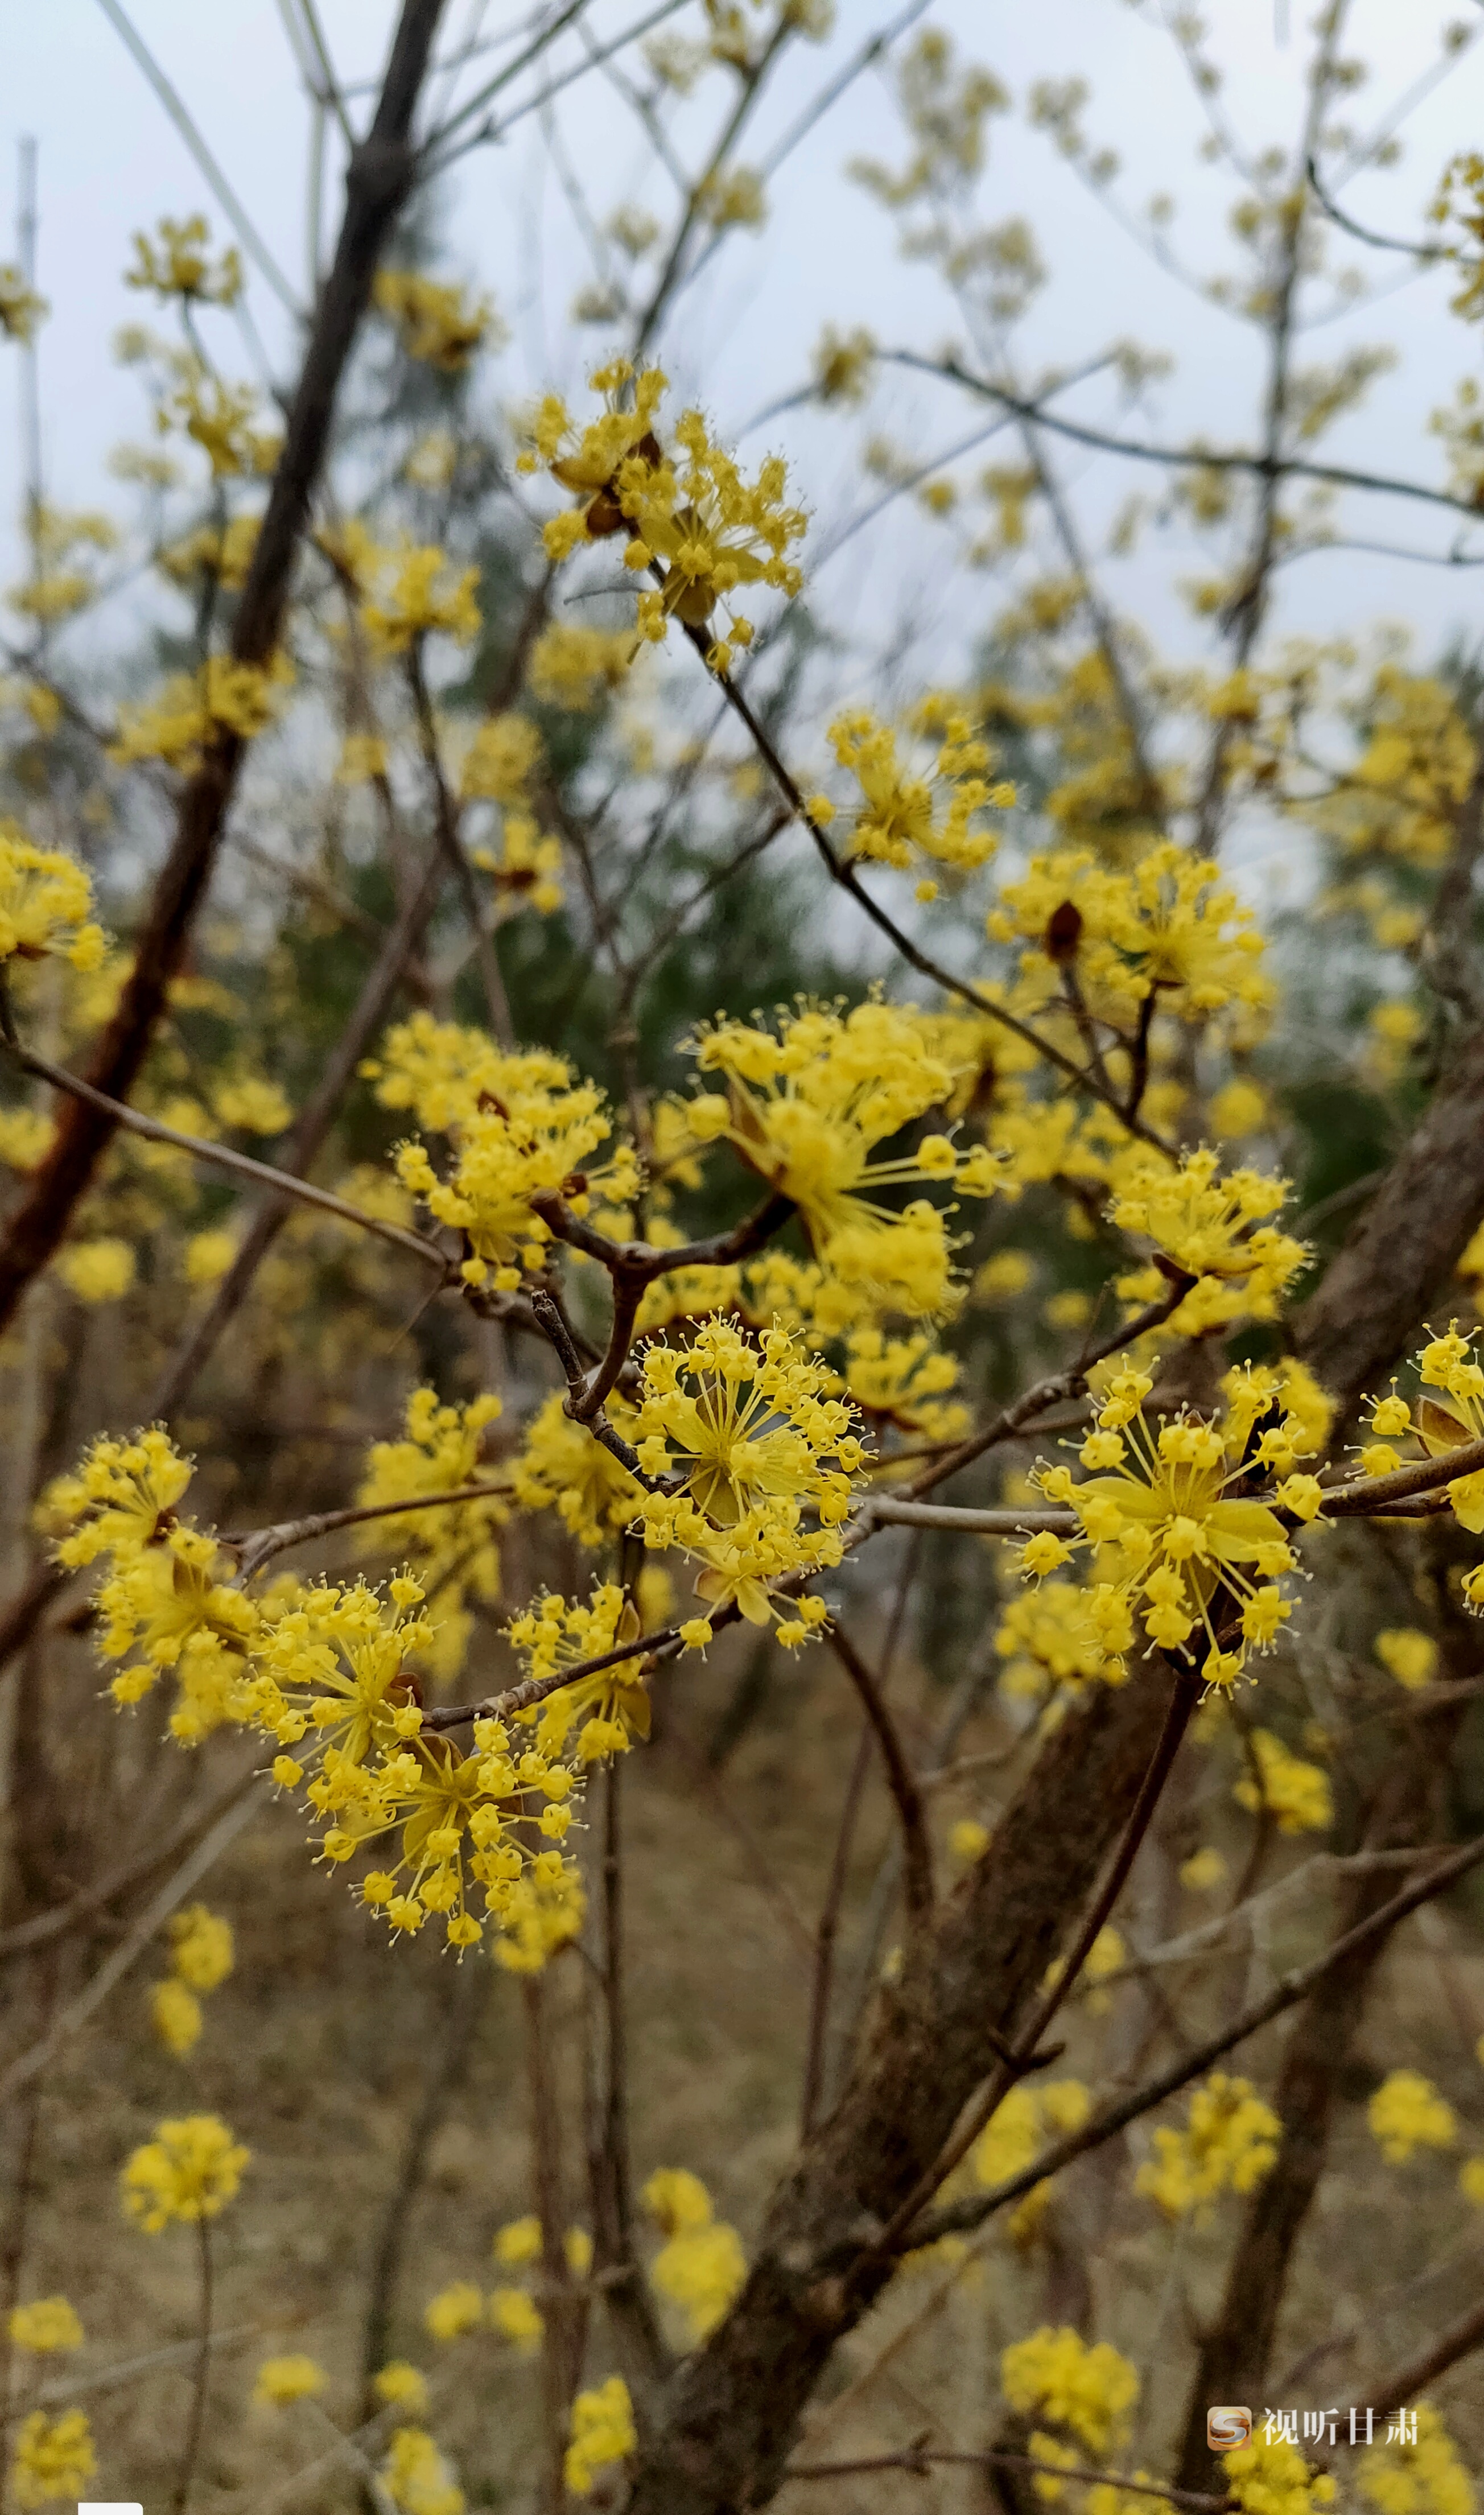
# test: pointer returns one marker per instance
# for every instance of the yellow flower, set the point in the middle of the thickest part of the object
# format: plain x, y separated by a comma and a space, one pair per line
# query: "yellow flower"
1295, 1794
455, 2310
701, 2267
281, 2380
519, 2243
1423, 2479
611, 1708
897, 820
968, 1841
516, 2317
53, 2459
603, 2433
201, 1948
20, 308
175, 262
1170, 1535
561, 1468
454, 1549
501, 759
46, 904
188, 2171
252, 1106
208, 1256
1407, 2112
177, 2016
1207, 1225
194, 709
574, 665
403, 2383
420, 593
1410, 1656
807, 1107
1229, 2143
1056, 2375
1273, 2479
119, 1499
433, 323
97, 1271
1203, 1871
1171, 926
47, 2323
544, 1911
168, 1606
417, 2478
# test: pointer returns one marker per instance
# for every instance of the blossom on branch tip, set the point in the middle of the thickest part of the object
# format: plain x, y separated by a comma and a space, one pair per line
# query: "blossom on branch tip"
46, 904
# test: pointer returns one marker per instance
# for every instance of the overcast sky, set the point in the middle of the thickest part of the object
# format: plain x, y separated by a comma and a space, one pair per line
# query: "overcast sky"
111, 161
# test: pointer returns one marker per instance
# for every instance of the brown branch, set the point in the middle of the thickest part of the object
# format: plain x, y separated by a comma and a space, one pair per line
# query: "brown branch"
921, 2459
827, 1932
610, 2183
915, 1847
456, 854
259, 1545
62, 1919
1394, 2392
379, 180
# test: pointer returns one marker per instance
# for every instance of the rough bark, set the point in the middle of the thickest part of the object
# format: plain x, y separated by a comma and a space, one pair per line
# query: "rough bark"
378, 181
1236, 2351
732, 2410
1405, 1246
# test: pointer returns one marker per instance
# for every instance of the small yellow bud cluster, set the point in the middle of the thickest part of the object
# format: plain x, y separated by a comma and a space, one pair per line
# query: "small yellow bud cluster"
1228, 2144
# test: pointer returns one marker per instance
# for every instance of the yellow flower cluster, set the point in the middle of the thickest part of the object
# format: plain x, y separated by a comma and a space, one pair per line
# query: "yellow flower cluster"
753, 1439
97, 1271
903, 1381
1017, 2129
1272, 2478
53, 2457
1171, 926
1421, 2479
433, 323
188, 2171
521, 1128
1294, 1794
1087, 2389
1410, 1656
294, 2378
46, 904
563, 1468
701, 2266
200, 1958
1048, 1637
603, 2433
416, 593
1171, 1541
416, 2476
176, 262
1446, 1363
1217, 1228
194, 709
807, 1105
48, 2322
1228, 2144
573, 665
613, 1706
899, 818
1407, 2112
21, 308
454, 1549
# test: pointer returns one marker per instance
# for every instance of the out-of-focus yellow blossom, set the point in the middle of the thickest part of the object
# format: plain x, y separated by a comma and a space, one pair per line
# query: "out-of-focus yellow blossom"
1203, 1871
401, 2384
1427, 2478
573, 665
454, 1549
806, 1107
1058, 1635
226, 556
1004, 1276
177, 2016
1408, 1654
1407, 2112
1158, 1510
419, 592
417, 2478
527, 867
1273, 2479
176, 262
21, 308
842, 362
201, 1948
98, 1270
701, 2266
1401, 796
501, 760
188, 2171
434, 321
968, 1841
171, 1606
47, 2323
1471, 2181
363, 757
904, 1380
1106, 1956
25, 1139
899, 818
603, 2433
194, 709
1297, 1795
290, 2378
519, 2243
544, 1913
208, 1256
53, 2457
608, 1710
252, 1106
455, 2310
46, 904
561, 1468
733, 197
1228, 2144
1019, 2127
517, 2319
1239, 1108
1056, 2375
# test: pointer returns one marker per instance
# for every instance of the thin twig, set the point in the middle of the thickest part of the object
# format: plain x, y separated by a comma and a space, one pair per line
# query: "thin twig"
917, 1847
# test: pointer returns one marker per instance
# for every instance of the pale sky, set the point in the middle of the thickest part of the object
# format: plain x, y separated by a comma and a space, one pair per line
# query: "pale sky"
110, 162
